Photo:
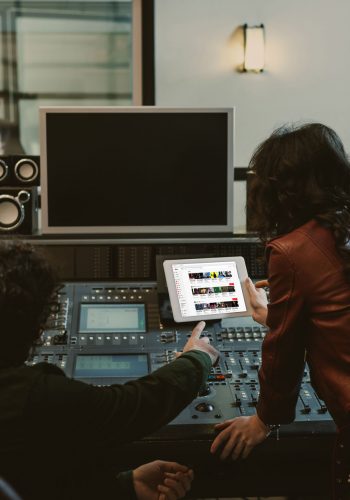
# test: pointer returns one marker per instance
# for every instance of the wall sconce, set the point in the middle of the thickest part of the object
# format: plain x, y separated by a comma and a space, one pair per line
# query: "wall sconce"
254, 48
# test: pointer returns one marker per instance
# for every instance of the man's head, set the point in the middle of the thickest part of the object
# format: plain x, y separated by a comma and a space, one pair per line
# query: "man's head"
27, 291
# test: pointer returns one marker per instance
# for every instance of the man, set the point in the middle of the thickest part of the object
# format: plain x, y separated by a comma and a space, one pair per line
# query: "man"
59, 437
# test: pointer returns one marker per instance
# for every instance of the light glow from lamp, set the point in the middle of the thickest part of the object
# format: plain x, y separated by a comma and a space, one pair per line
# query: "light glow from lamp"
254, 48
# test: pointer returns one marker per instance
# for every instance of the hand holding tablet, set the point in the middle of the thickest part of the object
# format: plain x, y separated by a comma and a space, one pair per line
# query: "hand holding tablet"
210, 288
258, 300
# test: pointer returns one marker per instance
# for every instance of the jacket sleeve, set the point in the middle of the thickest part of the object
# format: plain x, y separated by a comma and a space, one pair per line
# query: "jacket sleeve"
121, 413
125, 486
283, 349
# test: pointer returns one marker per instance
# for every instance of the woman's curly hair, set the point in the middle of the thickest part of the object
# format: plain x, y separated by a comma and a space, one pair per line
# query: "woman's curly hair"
28, 288
301, 173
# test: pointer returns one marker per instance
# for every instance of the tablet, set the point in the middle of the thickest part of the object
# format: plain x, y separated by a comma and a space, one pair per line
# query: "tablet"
210, 288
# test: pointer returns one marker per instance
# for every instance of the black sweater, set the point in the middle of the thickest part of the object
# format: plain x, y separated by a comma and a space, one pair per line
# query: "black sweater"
57, 435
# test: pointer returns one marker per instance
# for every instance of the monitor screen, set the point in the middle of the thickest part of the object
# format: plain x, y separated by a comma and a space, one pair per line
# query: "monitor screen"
112, 318
136, 170
210, 288
110, 365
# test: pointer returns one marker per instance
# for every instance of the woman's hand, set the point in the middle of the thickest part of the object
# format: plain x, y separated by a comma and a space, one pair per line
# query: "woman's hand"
258, 299
239, 436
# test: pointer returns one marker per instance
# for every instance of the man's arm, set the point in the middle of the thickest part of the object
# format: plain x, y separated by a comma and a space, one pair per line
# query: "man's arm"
121, 413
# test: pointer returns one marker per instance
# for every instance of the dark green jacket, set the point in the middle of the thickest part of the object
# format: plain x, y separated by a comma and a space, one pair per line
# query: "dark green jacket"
58, 435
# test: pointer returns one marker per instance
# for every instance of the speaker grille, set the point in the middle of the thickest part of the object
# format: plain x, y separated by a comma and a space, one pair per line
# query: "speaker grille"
26, 170
18, 210
20, 171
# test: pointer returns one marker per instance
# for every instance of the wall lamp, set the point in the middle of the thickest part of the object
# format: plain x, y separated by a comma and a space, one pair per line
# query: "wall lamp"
254, 48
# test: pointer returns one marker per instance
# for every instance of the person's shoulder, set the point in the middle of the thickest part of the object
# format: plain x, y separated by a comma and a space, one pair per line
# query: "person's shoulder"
20, 381
304, 245
310, 231
31, 371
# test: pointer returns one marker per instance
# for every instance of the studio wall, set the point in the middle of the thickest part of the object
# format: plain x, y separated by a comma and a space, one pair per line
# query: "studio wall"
306, 77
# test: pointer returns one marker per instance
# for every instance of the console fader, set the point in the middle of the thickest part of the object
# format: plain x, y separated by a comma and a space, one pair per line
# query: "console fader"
104, 333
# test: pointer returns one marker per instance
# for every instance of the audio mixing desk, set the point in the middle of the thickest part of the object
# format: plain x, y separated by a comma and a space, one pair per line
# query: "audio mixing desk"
82, 340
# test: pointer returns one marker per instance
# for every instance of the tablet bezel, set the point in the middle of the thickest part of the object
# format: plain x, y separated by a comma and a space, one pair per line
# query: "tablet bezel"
242, 274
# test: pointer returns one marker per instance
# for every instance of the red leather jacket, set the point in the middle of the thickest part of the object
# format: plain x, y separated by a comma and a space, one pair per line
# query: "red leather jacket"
309, 313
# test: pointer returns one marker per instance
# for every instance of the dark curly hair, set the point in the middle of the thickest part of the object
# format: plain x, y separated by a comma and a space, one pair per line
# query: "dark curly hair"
28, 288
301, 173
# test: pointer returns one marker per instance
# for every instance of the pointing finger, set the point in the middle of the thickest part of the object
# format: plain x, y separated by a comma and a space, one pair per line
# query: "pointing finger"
197, 330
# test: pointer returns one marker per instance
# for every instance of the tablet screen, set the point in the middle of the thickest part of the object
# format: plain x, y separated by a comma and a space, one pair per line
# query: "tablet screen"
208, 288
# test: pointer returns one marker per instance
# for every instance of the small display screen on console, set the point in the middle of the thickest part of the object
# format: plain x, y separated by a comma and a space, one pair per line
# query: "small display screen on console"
107, 365
112, 318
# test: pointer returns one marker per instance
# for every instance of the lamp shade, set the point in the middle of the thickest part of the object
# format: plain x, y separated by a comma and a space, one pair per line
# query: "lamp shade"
254, 48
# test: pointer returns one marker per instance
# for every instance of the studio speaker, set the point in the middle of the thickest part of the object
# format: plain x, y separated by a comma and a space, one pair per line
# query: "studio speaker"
18, 211
19, 201
20, 171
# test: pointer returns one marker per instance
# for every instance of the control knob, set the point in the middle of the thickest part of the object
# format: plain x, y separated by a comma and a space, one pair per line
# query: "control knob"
204, 407
204, 390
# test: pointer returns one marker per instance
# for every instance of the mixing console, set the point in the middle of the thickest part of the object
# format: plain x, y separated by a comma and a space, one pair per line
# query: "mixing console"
104, 333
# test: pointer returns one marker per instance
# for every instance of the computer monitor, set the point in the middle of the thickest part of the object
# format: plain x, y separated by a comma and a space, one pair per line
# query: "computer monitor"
136, 170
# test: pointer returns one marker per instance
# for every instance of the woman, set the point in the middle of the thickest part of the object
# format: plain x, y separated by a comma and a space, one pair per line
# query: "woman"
300, 200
